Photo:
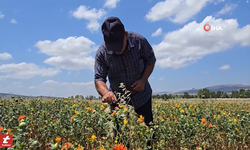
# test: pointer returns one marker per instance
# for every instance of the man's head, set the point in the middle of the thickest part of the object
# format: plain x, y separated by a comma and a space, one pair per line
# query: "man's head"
114, 35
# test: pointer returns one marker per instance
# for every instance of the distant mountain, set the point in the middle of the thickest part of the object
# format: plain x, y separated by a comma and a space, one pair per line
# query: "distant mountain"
8, 95
224, 88
161, 92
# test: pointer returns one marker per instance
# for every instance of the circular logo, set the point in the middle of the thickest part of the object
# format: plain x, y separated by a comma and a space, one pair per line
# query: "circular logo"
207, 27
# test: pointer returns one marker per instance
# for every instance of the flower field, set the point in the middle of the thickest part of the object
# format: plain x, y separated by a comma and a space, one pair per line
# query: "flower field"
77, 124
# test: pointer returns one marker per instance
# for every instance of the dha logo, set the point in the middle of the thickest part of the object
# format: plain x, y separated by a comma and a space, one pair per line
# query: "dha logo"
208, 27
5, 139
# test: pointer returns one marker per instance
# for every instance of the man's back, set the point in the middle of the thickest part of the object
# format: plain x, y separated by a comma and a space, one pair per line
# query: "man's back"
127, 67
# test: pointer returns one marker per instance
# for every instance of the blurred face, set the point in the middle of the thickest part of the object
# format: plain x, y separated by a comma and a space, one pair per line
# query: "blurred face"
124, 43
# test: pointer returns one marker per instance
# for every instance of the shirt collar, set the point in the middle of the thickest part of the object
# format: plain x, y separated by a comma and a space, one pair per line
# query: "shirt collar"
130, 46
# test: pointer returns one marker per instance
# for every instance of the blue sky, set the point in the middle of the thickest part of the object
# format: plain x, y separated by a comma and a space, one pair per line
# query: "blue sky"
48, 47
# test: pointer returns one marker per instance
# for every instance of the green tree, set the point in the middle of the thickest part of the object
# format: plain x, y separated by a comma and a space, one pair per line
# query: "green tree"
219, 94
186, 95
204, 93
213, 94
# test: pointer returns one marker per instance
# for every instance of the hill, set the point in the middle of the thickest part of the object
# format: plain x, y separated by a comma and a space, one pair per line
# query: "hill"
224, 88
8, 95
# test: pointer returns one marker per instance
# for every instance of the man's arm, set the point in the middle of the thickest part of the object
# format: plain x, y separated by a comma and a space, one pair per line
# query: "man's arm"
101, 87
101, 72
147, 72
149, 59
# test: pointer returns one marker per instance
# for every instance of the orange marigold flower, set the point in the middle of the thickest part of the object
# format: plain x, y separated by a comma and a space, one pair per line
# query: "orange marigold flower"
168, 118
102, 149
203, 120
210, 125
20, 118
57, 119
205, 124
1, 128
176, 120
58, 139
120, 147
141, 118
113, 113
72, 118
8, 130
66, 146
116, 107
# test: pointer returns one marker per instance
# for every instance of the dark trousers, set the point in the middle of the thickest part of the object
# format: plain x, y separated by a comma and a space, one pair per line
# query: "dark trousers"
145, 111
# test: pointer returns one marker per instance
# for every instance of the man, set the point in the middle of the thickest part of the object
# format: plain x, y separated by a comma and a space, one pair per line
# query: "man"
125, 57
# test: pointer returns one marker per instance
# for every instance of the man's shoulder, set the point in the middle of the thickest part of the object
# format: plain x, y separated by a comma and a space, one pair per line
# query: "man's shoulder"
135, 35
101, 49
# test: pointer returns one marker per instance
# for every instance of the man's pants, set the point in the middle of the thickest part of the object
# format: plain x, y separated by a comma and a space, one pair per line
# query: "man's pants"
145, 111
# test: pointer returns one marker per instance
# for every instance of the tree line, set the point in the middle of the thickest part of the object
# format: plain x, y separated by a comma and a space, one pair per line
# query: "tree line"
202, 93
206, 93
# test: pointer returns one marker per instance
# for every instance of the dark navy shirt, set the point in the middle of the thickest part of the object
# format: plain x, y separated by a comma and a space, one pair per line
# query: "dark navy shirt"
127, 67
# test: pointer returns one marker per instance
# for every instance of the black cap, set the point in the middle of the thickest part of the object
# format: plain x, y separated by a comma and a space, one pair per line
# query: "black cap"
113, 33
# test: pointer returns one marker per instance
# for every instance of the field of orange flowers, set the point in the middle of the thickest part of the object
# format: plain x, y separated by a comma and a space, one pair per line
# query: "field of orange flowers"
75, 124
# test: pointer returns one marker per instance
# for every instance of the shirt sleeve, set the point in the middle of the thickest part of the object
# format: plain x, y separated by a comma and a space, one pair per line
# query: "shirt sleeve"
101, 70
148, 53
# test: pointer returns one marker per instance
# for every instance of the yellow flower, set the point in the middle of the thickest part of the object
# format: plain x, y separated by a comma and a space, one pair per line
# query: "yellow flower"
74, 105
102, 107
125, 121
115, 142
93, 137
235, 120
182, 111
76, 112
147, 130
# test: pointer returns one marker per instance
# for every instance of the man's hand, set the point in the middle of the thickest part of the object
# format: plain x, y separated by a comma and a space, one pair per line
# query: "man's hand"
138, 85
109, 98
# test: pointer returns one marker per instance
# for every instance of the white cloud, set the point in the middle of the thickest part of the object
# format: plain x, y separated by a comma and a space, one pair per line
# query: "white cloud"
72, 53
5, 56
111, 3
224, 67
15, 85
226, 9
25, 71
161, 79
157, 32
65, 89
13, 21
177, 11
1, 15
190, 43
92, 15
